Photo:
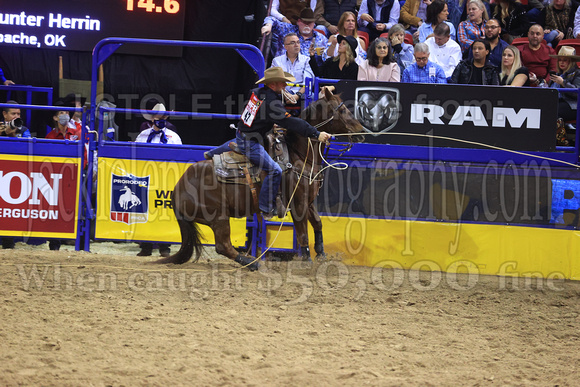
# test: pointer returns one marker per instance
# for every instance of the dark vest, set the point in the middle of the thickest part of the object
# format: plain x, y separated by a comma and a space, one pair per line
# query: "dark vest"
333, 9
385, 11
291, 8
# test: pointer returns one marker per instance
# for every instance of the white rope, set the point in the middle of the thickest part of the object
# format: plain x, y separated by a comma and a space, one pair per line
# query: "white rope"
466, 142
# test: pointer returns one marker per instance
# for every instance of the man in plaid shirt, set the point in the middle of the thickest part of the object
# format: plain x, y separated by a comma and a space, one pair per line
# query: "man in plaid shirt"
423, 70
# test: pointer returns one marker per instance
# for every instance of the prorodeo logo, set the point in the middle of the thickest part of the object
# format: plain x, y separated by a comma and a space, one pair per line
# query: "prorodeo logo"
129, 199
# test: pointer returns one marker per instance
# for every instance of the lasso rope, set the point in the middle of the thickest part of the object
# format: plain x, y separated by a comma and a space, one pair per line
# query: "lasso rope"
465, 142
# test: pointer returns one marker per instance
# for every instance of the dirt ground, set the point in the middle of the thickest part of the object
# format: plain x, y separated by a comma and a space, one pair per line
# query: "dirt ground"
109, 318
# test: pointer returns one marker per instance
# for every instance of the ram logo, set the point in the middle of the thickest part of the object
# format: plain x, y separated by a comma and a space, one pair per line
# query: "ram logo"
377, 108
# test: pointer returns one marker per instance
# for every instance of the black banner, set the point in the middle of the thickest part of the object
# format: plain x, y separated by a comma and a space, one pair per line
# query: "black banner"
515, 118
80, 24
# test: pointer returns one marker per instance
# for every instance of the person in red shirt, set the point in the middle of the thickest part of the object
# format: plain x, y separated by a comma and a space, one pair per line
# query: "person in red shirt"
63, 129
536, 56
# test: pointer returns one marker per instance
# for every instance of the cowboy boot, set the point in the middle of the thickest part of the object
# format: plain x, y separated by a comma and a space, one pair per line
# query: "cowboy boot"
280, 207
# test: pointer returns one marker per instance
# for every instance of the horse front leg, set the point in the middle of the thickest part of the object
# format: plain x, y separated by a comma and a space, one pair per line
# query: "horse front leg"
300, 218
223, 245
314, 219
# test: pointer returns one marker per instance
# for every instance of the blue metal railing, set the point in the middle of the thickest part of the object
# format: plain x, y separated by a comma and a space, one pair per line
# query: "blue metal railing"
29, 90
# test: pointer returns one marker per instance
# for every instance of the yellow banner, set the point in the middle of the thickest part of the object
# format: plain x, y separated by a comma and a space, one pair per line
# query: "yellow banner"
134, 202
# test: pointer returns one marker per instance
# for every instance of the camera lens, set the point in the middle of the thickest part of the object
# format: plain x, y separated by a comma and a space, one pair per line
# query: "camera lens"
16, 123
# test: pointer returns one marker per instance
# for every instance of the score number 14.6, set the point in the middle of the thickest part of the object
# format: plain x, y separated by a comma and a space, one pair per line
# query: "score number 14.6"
170, 6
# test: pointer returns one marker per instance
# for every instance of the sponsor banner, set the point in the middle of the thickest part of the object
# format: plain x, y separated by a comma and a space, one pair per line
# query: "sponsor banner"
134, 202
515, 118
39, 196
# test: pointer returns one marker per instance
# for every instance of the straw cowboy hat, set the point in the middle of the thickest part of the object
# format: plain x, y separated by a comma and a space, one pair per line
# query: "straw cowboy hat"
567, 52
153, 104
276, 74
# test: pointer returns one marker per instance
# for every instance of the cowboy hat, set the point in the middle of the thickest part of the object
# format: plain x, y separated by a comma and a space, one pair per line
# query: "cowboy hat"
276, 74
351, 40
307, 15
72, 98
567, 52
153, 104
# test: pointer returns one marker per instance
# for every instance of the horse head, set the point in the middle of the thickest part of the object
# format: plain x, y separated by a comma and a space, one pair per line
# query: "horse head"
331, 116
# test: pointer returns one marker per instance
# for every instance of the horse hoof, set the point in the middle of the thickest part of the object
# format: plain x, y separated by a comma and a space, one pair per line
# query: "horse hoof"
250, 263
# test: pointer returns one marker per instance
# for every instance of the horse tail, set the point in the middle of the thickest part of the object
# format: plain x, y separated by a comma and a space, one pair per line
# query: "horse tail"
190, 241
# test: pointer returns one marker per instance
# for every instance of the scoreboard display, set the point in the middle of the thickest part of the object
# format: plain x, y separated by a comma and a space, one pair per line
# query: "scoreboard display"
79, 24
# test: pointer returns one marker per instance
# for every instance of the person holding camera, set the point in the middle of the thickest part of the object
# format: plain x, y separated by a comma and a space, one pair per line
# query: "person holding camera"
12, 125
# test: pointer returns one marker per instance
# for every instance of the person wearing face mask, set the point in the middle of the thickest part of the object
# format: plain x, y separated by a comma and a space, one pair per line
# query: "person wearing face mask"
75, 100
157, 130
62, 128
304, 29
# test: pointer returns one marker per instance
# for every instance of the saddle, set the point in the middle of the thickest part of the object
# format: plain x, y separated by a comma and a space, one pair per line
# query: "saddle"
233, 167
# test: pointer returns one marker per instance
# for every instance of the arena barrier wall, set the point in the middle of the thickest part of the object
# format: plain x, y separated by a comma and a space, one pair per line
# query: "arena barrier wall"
134, 191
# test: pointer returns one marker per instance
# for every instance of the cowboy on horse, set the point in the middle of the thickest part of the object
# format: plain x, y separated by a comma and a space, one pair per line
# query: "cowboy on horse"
264, 109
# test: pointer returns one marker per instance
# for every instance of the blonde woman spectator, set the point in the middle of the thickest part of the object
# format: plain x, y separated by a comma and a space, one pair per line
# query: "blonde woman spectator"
380, 65
512, 71
342, 66
346, 27
474, 27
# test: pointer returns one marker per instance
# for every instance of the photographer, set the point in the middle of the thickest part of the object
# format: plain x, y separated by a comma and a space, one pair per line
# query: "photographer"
12, 125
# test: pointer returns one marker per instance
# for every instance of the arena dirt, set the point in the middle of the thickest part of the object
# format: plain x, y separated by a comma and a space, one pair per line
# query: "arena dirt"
109, 318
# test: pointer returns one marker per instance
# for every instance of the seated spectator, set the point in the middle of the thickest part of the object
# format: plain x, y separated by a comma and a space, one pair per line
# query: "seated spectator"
513, 19
413, 15
537, 56
75, 100
328, 13
155, 134
293, 62
342, 66
436, 14
375, 17
12, 125
304, 29
62, 127
444, 51
474, 27
512, 71
402, 51
492, 33
423, 70
576, 31
476, 71
5, 82
157, 130
346, 27
558, 21
380, 65
288, 11
567, 76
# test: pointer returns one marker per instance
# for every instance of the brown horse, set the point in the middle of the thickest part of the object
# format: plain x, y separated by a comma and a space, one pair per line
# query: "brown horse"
199, 198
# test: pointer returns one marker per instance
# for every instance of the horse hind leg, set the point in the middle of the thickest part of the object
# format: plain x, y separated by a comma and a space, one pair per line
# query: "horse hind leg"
190, 241
223, 245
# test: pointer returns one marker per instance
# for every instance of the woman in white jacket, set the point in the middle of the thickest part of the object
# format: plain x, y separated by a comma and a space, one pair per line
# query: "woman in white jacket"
380, 64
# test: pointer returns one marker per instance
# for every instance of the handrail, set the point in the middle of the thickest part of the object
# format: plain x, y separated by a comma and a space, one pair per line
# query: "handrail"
29, 90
